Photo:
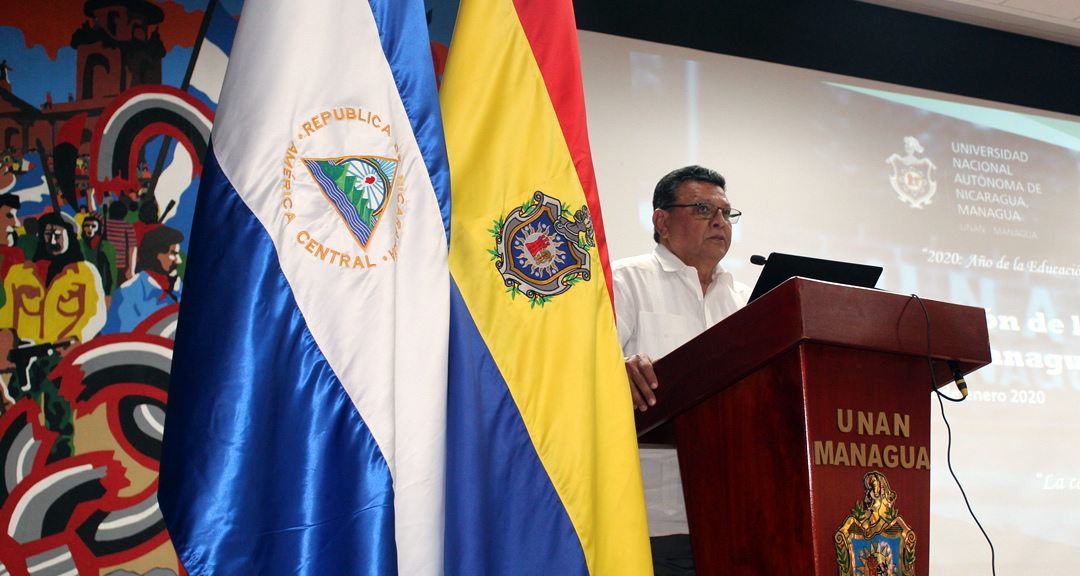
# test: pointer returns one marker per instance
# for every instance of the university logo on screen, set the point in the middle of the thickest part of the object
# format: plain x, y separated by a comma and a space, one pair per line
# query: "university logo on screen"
912, 177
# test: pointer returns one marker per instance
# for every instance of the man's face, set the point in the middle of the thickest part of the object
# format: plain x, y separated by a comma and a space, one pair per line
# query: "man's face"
170, 260
55, 238
9, 221
696, 241
90, 228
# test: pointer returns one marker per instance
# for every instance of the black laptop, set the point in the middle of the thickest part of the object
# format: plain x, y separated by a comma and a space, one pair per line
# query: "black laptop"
780, 267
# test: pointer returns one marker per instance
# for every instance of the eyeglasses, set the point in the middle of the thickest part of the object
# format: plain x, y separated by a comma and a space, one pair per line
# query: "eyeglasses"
706, 211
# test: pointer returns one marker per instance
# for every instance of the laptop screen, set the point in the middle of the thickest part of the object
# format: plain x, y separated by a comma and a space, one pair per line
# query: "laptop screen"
780, 267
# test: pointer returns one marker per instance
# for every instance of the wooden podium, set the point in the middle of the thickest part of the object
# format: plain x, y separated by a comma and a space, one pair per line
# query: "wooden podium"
784, 411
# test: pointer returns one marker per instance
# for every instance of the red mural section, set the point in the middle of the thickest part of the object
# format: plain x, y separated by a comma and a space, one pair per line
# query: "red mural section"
94, 509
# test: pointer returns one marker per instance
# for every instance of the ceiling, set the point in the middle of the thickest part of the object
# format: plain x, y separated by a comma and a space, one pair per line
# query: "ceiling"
1057, 20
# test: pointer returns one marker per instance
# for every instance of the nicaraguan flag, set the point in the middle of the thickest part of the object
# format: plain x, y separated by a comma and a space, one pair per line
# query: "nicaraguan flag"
306, 417
542, 468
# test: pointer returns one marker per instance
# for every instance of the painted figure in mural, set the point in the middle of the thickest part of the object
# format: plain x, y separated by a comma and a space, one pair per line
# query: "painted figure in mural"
10, 254
57, 296
29, 365
55, 301
9, 219
156, 285
148, 219
121, 234
4, 68
99, 251
7, 173
28, 241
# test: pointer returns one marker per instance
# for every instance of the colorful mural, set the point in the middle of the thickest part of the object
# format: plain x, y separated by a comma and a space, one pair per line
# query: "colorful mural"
105, 115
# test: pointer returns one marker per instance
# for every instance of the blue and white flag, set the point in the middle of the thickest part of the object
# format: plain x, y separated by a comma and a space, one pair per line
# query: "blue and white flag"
306, 417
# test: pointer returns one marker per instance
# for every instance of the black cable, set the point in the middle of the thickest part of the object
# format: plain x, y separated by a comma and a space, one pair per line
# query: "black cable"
930, 361
948, 450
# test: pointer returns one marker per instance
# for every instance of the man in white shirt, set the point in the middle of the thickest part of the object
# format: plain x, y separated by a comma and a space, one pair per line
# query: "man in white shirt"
662, 300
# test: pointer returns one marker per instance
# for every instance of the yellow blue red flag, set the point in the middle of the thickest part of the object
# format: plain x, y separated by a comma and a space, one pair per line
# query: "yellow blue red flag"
542, 468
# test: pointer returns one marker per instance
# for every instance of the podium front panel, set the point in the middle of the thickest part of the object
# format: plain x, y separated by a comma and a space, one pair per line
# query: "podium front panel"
776, 473
868, 447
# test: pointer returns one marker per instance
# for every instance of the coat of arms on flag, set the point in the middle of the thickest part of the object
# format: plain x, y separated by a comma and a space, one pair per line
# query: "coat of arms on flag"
541, 249
358, 187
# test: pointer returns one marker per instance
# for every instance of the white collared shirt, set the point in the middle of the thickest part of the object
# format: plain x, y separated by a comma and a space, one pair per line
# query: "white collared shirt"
659, 306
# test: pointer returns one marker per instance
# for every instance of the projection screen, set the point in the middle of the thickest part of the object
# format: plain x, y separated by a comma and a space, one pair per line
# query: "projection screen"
965, 201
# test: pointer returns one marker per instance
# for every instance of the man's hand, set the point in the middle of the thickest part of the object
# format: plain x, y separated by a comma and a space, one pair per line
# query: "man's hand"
642, 381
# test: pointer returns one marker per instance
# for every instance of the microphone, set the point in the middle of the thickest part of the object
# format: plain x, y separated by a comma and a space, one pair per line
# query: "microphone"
758, 259
958, 377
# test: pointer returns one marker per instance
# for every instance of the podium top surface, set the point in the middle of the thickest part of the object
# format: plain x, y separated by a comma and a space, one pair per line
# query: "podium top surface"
801, 311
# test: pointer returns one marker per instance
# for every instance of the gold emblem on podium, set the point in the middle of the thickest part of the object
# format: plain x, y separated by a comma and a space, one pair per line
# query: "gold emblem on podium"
874, 540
